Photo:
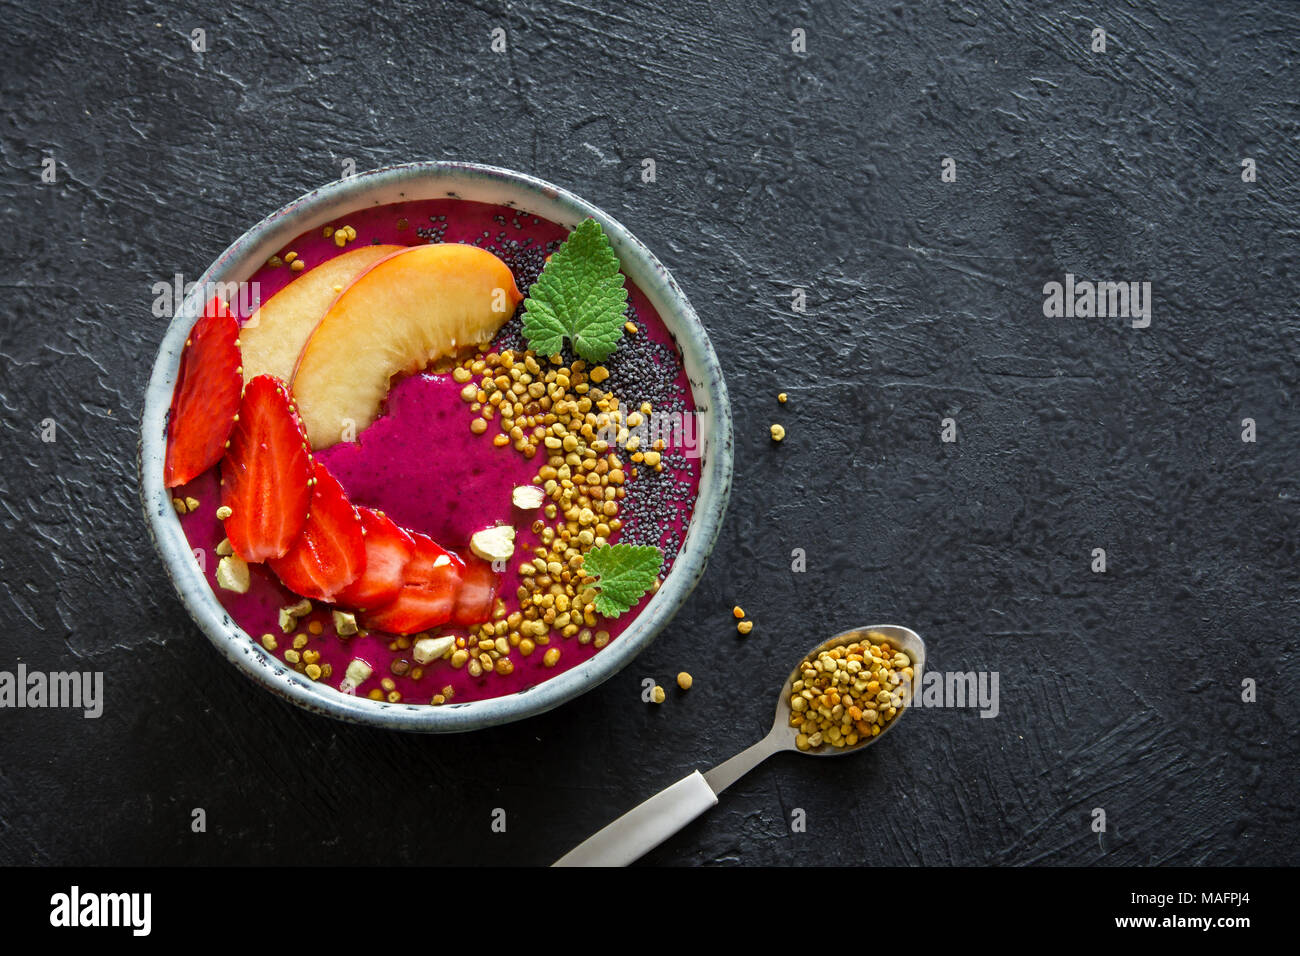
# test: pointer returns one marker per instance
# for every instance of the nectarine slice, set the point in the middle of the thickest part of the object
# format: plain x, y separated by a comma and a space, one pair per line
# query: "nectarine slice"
406, 311
272, 338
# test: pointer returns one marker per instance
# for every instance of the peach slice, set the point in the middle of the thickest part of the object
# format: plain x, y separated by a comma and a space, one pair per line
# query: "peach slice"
406, 311
272, 338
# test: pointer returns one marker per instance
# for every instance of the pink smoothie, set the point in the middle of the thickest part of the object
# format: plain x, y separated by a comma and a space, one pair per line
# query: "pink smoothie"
420, 463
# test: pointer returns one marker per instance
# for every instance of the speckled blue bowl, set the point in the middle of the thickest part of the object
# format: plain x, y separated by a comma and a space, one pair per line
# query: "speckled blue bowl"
419, 181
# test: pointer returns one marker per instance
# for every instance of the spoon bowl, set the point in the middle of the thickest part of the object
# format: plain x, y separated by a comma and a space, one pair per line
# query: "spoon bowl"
900, 638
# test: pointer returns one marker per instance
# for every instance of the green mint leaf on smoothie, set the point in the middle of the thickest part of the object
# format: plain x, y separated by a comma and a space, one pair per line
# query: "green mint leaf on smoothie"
580, 296
623, 573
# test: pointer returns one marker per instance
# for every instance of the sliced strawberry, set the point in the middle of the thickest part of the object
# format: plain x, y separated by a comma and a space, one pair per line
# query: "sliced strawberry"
412, 611
478, 587
388, 550
428, 594
206, 396
266, 474
330, 551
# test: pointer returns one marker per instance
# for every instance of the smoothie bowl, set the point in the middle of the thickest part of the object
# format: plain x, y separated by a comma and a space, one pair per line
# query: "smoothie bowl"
434, 448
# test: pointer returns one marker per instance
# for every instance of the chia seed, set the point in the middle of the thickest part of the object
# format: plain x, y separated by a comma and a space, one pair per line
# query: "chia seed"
434, 233
642, 370
658, 507
511, 335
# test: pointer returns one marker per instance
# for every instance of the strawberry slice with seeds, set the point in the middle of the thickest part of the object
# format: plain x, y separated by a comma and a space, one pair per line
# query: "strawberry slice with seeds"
266, 474
330, 551
478, 588
428, 594
388, 550
206, 397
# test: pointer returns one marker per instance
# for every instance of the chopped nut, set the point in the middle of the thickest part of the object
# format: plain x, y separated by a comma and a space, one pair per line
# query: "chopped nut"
345, 623
232, 574
358, 673
528, 497
224, 548
289, 615
431, 648
494, 544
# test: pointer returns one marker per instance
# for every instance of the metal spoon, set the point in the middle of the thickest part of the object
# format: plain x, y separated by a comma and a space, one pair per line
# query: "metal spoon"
642, 829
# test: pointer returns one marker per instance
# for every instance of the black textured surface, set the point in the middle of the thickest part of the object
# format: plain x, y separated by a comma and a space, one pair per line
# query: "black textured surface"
776, 170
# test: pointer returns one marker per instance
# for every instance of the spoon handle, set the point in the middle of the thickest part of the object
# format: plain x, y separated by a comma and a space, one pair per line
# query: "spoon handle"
643, 828
729, 771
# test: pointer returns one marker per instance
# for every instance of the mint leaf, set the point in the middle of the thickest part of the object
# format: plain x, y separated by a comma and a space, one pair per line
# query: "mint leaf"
544, 330
580, 295
623, 574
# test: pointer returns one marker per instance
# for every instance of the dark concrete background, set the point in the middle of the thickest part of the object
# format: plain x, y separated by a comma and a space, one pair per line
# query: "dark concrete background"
775, 170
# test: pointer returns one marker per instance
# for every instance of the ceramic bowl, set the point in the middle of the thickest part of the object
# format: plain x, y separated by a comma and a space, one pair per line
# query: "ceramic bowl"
419, 181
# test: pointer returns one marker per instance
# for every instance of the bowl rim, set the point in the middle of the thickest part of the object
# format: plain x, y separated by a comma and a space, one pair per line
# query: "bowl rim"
291, 220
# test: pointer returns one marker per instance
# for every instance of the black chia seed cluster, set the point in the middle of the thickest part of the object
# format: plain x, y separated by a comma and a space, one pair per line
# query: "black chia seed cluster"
642, 370
434, 233
656, 503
